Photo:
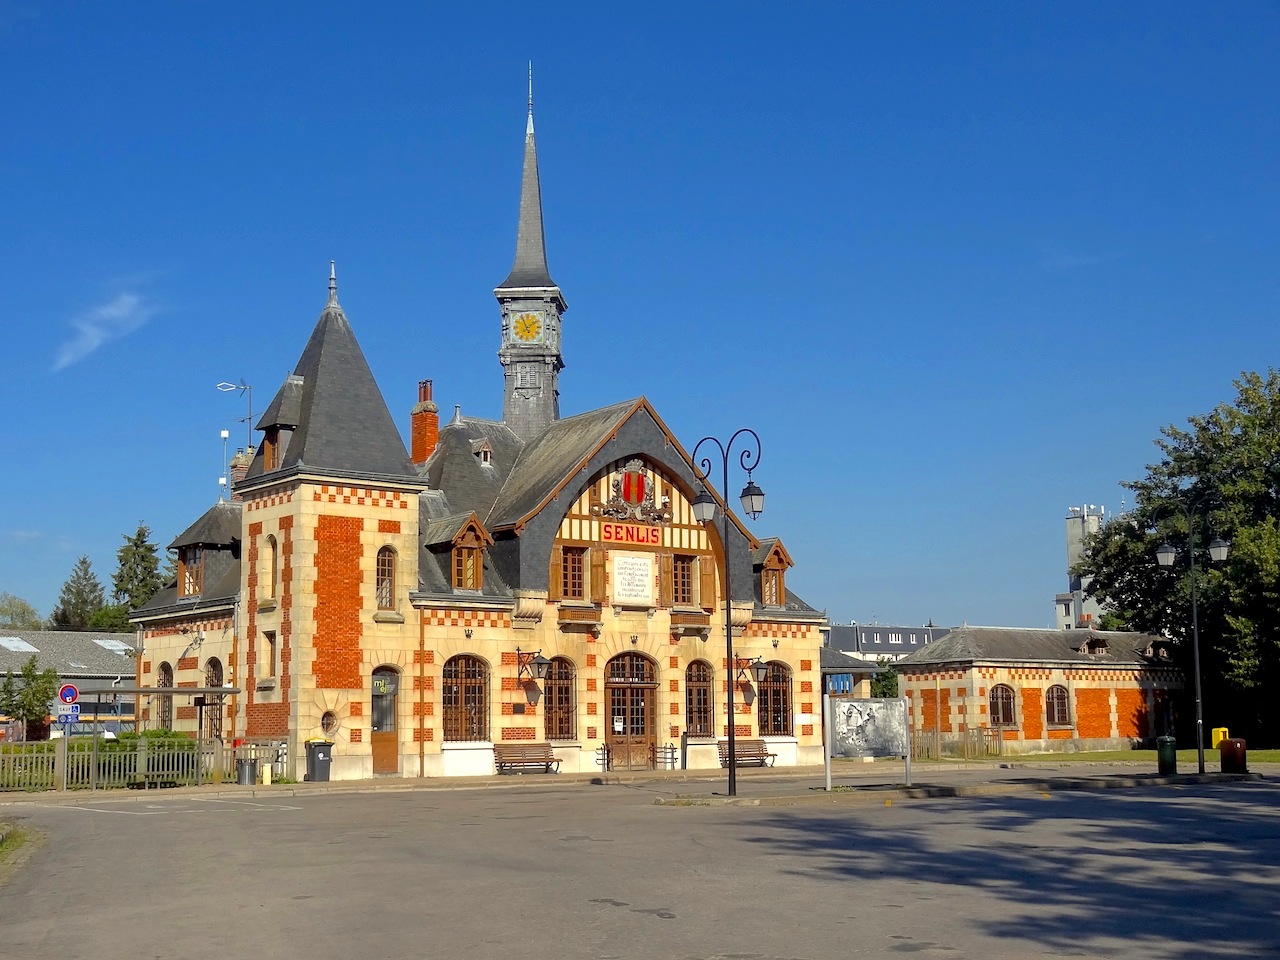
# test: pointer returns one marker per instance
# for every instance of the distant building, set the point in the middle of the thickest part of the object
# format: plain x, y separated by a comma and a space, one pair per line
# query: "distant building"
871, 641
1042, 690
93, 662
1074, 609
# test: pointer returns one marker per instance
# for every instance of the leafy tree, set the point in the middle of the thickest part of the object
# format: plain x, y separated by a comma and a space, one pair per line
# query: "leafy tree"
885, 683
111, 618
137, 578
27, 697
80, 599
17, 614
1219, 477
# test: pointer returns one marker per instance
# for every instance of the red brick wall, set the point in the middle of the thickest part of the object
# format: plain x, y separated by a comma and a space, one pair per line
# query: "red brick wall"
1131, 713
1093, 713
270, 719
338, 604
1032, 713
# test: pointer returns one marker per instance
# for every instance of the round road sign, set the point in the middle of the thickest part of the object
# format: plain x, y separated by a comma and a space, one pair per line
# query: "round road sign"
68, 693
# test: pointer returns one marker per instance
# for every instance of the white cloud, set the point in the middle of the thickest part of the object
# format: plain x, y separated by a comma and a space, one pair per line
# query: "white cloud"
112, 320
25, 535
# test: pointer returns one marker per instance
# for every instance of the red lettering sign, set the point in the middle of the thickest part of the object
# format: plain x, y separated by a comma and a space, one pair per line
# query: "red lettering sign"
630, 533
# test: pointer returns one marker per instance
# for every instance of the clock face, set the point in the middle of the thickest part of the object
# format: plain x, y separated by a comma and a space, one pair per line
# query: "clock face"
527, 327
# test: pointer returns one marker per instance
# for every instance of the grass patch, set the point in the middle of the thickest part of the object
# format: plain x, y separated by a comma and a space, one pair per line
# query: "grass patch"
1134, 756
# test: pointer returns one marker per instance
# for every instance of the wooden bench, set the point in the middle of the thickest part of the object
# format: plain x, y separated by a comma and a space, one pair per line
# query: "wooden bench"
508, 757
747, 751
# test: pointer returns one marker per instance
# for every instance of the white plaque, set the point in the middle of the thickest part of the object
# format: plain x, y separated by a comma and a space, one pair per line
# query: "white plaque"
633, 576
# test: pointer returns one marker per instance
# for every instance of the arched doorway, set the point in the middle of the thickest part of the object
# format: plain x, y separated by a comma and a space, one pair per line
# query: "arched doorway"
630, 688
213, 702
383, 735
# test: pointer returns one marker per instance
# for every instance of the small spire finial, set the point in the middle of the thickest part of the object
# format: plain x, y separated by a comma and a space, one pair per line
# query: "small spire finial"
333, 282
531, 88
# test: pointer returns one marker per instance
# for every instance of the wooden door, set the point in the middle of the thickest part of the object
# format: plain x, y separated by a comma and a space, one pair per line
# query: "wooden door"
630, 690
384, 737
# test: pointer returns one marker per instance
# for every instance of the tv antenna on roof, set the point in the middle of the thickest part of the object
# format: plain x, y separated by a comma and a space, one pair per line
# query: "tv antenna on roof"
245, 389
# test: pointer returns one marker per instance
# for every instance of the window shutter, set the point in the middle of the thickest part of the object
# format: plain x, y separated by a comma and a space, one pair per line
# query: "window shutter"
597, 574
666, 577
707, 589
555, 584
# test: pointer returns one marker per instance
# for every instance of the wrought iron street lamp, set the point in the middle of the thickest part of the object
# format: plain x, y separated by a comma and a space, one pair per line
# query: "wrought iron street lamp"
1165, 555
704, 510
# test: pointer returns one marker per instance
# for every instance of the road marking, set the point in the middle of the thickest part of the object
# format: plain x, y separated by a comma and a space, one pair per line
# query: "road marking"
155, 809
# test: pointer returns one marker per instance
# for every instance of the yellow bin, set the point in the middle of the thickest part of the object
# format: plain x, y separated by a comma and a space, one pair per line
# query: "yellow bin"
1219, 734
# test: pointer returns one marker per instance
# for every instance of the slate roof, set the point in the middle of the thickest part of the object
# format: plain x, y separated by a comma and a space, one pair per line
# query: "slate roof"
224, 588
443, 530
72, 654
837, 663
549, 458
469, 485
218, 526
530, 267
286, 409
1019, 644
344, 428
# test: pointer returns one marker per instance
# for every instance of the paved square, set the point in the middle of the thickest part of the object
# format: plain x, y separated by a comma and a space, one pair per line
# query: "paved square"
600, 871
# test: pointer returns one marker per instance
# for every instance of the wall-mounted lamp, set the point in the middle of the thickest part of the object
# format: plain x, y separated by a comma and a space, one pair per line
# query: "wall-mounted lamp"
533, 665
759, 670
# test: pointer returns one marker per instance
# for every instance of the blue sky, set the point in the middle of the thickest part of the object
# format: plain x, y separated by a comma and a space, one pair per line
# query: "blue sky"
955, 263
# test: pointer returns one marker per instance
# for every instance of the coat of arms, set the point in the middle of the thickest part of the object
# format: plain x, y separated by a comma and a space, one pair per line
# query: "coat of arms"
633, 497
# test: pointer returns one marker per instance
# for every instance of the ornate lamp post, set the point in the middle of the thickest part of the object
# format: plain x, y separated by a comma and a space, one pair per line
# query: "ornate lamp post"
704, 510
1165, 555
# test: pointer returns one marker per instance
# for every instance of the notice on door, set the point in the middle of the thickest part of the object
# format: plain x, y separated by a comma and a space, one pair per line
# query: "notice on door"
633, 579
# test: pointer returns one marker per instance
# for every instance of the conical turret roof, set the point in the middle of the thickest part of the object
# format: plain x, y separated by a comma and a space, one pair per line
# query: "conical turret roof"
530, 268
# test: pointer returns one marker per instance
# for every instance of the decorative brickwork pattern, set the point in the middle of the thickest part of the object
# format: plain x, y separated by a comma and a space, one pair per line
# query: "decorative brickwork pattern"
806, 730
789, 631
338, 603
673, 663
388, 526
419, 735
356, 709
466, 618
806, 686
357, 735
1131, 714
806, 666
592, 733
1032, 713
424, 657
189, 663
518, 733
1093, 713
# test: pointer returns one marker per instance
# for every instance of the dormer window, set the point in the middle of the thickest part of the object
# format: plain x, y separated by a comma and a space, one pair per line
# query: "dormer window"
271, 449
482, 451
772, 583
1094, 645
468, 556
190, 571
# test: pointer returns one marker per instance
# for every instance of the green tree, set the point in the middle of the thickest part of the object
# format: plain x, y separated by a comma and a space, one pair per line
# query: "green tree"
1219, 477
137, 577
80, 599
885, 683
27, 697
17, 614
111, 618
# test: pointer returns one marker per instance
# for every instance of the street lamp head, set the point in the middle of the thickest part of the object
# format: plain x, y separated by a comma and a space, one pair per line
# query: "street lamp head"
704, 507
752, 499
1165, 555
760, 670
1219, 549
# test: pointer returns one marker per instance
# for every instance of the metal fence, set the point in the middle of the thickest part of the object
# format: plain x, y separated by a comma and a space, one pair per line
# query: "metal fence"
97, 763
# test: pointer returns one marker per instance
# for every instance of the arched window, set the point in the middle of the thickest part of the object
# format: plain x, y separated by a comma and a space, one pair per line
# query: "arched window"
270, 564
774, 701
560, 717
386, 579
164, 709
213, 702
466, 699
1001, 706
1057, 709
697, 700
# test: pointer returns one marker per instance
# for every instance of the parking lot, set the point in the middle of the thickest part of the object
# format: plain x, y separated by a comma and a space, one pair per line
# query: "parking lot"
591, 871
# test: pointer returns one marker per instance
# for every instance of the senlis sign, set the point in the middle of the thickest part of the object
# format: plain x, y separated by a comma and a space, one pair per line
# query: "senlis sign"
630, 533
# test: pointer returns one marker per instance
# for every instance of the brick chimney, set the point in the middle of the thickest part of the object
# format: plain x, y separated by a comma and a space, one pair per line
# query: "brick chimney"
238, 467
424, 428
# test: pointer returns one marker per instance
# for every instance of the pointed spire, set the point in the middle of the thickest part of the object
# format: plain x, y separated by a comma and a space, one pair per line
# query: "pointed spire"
333, 285
530, 268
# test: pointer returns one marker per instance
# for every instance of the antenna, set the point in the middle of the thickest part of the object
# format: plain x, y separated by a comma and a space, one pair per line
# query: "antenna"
244, 389
222, 480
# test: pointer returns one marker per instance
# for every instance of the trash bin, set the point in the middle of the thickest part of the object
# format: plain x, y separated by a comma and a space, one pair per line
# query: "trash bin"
246, 772
1219, 734
1167, 755
1233, 755
319, 756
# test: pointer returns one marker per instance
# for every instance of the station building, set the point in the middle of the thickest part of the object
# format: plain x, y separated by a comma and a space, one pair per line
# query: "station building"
534, 578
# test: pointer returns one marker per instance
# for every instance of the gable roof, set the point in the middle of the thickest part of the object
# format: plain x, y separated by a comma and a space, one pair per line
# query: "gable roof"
344, 428
967, 644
